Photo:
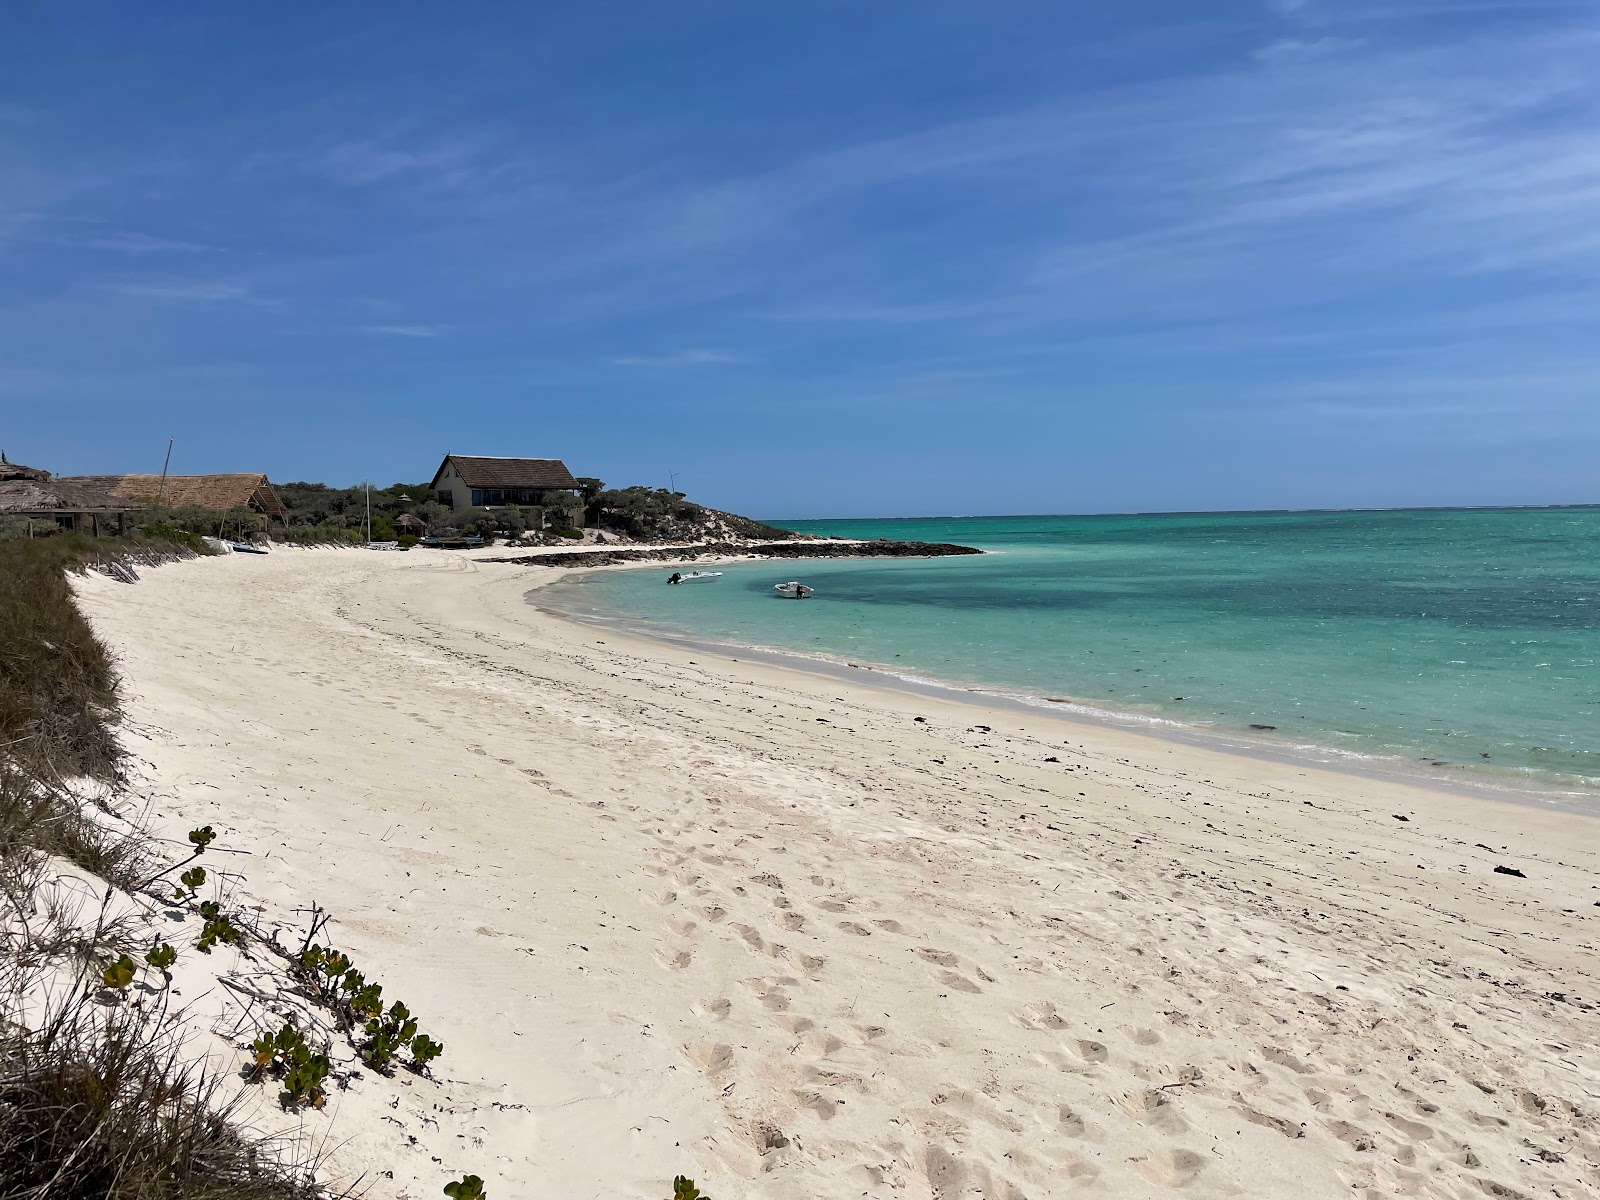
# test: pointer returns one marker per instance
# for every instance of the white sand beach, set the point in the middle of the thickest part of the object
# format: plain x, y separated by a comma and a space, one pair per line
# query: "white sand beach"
798, 937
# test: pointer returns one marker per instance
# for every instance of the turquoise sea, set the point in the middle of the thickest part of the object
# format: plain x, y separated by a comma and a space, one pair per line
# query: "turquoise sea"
1459, 642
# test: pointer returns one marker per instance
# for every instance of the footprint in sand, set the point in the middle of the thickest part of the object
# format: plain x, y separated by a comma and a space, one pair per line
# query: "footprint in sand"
675, 960
1155, 1108
1173, 1168
857, 929
1091, 1051
714, 1010
1041, 1015
713, 1058
942, 957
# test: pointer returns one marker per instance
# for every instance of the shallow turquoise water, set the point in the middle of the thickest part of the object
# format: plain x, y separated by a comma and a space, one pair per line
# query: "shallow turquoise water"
1424, 635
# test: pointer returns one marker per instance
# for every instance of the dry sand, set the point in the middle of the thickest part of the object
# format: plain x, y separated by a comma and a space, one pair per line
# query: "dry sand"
797, 937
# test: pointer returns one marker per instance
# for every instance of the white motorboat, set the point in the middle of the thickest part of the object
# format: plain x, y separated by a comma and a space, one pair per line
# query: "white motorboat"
696, 576
793, 590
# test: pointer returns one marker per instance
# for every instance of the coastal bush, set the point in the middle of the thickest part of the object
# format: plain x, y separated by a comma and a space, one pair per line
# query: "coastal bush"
218, 927
683, 1188
161, 956
468, 1187
119, 974
104, 1102
657, 515
287, 1056
387, 1035
337, 985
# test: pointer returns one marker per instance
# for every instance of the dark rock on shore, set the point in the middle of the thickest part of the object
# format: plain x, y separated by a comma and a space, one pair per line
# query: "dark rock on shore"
809, 549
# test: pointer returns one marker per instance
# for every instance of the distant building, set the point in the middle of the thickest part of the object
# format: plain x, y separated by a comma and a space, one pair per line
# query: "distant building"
85, 502
465, 482
218, 493
37, 495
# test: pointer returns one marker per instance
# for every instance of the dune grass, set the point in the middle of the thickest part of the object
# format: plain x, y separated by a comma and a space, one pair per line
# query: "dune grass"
96, 1099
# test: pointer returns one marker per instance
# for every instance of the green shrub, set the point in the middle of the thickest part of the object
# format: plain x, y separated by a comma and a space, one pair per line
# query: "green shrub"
468, 1187
217, 928
575, 534
423, 1051
161, 956
119, 974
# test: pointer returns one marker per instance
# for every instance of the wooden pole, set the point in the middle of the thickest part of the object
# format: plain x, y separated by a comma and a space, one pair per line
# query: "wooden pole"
161, 497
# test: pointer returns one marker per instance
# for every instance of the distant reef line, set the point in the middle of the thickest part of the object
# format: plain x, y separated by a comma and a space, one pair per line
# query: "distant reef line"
808, 549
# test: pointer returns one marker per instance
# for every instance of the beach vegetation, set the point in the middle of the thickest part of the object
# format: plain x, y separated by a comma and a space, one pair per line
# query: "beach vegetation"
423, 1051
287, 1056
683, 1188
161, 956
119, 974
106, 1102
659, 515
468, 1187
218, 927
96, 1099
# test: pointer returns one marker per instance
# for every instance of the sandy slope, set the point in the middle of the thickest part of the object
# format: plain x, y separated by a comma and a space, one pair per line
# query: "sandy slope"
674, 912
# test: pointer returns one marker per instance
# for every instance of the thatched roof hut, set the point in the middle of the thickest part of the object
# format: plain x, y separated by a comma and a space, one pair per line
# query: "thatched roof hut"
219, 493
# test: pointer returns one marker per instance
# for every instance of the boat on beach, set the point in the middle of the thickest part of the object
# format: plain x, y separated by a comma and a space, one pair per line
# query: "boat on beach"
793, 590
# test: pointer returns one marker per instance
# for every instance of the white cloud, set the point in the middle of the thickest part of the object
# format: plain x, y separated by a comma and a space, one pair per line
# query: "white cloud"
198, 292
404, 331
684, 358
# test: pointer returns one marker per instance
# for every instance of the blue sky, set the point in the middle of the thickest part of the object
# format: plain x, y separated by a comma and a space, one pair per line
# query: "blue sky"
820, 259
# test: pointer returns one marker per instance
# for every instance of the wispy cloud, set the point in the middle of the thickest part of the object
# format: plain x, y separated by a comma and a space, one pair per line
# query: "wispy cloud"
683, 358
195, 292
403, 331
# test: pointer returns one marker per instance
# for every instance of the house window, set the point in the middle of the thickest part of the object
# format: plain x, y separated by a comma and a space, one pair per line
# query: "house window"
447, 497
477, 497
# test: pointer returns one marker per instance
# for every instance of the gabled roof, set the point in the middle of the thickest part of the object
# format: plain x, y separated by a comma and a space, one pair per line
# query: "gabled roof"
219, 493
537, 473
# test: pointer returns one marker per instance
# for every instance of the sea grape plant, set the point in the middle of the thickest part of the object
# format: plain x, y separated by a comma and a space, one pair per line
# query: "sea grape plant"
344, 989
286, 1053
217, 928
387, 1035
423, 1051
119, 974
191, 880
302, 1083
683, 1188
161, 956
468, 1187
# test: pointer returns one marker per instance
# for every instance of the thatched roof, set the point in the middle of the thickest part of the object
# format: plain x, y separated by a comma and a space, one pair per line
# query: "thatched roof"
410, 522
219, 493
10, 470
44, 497
537, 473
